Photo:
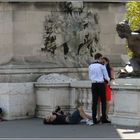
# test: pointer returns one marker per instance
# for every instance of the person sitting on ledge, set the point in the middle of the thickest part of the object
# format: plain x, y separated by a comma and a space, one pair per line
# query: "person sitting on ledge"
59, 117
1, 115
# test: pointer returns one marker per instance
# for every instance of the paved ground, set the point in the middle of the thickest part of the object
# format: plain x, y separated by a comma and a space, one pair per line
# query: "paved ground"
33, 128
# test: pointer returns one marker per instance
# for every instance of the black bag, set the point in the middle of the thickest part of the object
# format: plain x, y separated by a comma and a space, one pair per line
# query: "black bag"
1, 111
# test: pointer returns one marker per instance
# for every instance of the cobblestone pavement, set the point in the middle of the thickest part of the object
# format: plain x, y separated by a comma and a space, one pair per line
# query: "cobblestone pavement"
34, 128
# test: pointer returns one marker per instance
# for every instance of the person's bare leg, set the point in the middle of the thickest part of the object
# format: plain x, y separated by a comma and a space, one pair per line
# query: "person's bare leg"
83, 114
107, 107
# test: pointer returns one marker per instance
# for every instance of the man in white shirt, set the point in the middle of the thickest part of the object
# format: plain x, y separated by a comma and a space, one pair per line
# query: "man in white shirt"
98, 74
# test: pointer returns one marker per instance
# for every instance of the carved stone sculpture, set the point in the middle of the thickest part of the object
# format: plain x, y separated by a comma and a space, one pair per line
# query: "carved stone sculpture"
133, 40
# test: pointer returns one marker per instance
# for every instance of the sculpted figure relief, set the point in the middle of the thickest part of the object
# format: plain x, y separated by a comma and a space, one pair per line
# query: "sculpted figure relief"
133, 41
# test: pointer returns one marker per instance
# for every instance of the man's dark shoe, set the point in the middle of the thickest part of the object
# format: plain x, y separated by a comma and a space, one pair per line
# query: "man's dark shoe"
96, 122
106, 121
57, 108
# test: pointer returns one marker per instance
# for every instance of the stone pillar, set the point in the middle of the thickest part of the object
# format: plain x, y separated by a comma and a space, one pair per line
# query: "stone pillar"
126, 103
17, 100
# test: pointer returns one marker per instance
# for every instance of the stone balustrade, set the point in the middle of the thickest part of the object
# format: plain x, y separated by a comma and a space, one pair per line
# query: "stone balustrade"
124, 106
24, 100
83, 95
67, 95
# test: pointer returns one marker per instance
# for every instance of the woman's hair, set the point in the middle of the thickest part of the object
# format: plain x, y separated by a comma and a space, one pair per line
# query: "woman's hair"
106, 59
108, 67
46, 122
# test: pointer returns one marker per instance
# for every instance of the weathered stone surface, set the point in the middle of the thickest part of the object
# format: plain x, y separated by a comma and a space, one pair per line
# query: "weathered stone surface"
6, 32
17, 100
126, 104
22, 31
22, 73
55, 78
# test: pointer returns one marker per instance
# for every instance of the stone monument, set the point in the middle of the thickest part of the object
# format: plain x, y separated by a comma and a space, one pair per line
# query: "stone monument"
40, 37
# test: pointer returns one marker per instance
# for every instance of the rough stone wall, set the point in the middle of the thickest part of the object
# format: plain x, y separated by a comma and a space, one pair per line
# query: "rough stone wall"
49, 34
6, 33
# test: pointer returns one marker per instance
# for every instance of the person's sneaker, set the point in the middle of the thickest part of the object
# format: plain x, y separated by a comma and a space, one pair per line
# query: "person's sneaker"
89, 122
84, 120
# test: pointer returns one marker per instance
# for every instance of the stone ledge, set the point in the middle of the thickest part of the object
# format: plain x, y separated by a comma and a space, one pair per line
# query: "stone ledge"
23, 70
58, 85
126, 120
125, 87
81, 84
39, 70
64, 0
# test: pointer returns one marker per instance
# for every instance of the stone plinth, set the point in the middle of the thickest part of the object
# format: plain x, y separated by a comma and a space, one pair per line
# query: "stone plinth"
52, 90
17, 100
48, 96
126, 102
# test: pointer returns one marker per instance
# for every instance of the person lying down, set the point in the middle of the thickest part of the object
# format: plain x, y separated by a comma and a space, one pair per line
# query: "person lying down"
59, 117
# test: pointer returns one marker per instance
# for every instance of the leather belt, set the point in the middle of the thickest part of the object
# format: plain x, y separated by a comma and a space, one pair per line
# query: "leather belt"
97, 81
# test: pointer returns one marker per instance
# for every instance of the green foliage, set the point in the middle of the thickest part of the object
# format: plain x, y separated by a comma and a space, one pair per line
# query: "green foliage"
133, 18
133, 14
129, 52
